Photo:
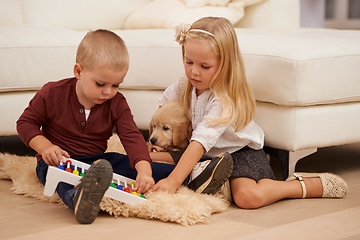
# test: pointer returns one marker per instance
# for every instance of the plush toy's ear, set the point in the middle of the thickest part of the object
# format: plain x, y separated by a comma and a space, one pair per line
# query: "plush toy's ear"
150, 128
180, 134
189, 131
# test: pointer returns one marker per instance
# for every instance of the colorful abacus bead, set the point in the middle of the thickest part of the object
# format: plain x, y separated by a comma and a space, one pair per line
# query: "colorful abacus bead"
75, 171
126, 189
82, 172
132, 185
113, 185
61, 166
68, 164
119, 185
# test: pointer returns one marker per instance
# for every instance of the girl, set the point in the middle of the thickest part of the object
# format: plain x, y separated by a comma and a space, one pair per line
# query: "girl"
222, 107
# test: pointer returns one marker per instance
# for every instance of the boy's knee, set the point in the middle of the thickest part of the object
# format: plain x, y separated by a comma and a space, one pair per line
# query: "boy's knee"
248, 199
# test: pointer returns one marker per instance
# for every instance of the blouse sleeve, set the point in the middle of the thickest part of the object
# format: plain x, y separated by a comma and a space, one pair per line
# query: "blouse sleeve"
175, 90
206, 133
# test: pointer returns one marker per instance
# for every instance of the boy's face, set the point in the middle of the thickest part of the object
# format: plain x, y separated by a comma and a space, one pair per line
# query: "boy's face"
97, 85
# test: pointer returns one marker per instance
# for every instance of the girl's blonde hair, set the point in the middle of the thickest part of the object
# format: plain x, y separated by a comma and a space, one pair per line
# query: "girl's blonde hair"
229, 82
102, 48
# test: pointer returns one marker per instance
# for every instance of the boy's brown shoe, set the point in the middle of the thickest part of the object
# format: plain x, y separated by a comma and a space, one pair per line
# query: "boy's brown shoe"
91, 190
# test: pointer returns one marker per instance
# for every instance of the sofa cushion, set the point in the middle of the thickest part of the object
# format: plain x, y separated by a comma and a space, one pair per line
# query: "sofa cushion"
10, 13
155, 59
79, 14
170, 13
272, 14
295, 128
32, 56
291, 68
302, 67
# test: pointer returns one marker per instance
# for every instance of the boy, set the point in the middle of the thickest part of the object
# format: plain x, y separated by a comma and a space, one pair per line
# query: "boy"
75, 117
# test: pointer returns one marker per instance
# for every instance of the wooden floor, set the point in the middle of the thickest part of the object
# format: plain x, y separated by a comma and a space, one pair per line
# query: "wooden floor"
25, 218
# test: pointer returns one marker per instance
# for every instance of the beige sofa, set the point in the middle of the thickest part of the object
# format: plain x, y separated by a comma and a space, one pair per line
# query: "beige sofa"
306, 81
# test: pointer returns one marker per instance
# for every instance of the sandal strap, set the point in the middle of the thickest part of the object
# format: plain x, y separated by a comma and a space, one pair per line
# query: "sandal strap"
333, 185
301, 180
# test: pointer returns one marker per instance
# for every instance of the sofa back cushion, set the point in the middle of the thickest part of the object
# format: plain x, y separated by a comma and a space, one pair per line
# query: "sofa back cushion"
32, 56
170, 13
79, 14
10, 13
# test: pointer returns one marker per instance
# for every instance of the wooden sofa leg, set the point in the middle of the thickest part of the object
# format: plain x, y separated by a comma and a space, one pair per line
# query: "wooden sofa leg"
294, 157
288, 159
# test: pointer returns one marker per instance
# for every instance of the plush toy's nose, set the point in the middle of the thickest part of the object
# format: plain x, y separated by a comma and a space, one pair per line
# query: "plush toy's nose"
153, 141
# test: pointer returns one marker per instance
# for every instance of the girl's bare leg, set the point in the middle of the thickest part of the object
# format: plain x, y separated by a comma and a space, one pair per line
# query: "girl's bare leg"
162, 157
249, 194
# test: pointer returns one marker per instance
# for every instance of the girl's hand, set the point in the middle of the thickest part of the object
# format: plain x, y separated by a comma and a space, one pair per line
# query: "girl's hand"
165, 184
53, 155
154, 148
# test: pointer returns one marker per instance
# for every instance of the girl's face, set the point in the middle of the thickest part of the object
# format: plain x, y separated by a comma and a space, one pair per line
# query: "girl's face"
201, 64
97, 85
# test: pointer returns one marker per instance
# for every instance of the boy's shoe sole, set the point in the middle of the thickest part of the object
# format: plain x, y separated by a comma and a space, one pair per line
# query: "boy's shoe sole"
214, 176
91, 190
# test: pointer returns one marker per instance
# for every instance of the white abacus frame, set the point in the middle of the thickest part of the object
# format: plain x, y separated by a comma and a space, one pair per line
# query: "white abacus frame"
56, 175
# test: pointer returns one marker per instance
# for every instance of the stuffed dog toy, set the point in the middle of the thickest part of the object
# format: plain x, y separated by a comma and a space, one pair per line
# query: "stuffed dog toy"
170, 126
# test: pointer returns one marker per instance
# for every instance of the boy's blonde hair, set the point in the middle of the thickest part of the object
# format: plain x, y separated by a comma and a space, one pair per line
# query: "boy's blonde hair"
102, 48
229, 82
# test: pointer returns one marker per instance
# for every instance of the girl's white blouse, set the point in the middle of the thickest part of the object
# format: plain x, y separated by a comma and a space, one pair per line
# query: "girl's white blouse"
215, 139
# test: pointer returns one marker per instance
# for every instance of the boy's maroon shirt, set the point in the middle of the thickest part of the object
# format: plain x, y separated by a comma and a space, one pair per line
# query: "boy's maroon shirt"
56, 113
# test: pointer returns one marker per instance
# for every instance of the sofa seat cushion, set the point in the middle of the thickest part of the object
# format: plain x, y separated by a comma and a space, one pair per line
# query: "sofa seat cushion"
295, 128
302, 67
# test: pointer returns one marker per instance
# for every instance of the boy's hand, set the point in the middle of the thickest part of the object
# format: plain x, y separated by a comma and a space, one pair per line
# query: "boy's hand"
53, 155
143, 183
144, 180
166, 184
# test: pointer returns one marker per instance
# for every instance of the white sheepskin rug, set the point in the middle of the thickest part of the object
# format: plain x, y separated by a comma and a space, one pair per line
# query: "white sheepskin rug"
184, 207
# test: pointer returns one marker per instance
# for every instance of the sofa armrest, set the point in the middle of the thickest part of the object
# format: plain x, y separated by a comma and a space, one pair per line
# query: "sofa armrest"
272, 14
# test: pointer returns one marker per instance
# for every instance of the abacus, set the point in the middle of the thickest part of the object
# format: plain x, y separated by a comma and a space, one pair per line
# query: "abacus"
71, 171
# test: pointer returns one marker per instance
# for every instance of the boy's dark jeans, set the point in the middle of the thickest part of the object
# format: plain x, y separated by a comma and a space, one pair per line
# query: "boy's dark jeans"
120, 164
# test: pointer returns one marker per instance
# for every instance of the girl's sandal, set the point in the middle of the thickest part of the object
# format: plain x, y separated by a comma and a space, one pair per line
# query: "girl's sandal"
333, 185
